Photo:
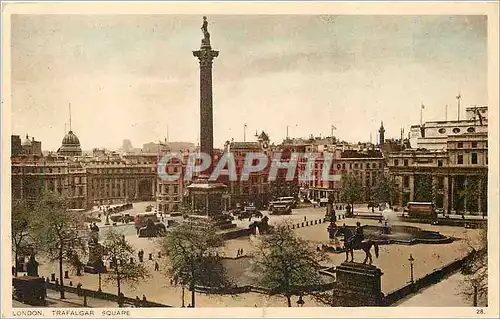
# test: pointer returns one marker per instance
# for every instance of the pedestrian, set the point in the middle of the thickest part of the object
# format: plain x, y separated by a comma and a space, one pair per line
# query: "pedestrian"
241, 253
157, 266
137, 302
144, 298
305, 218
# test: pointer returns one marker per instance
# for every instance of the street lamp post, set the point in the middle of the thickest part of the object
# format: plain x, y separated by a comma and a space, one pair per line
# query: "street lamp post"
411, 260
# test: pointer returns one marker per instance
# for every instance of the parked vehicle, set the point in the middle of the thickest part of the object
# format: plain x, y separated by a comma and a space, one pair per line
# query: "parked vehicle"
141, 219
280, 208
121, 217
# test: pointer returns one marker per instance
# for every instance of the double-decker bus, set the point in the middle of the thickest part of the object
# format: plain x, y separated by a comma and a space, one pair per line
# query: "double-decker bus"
421, 210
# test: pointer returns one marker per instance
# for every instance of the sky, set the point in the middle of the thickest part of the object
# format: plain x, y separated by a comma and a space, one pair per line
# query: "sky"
132, 76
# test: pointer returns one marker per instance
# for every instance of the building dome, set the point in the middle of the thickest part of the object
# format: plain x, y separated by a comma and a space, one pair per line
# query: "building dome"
70, 145
27, 141
70, 139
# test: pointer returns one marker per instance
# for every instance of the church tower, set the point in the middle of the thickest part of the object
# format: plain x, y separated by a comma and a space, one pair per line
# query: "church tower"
381, 132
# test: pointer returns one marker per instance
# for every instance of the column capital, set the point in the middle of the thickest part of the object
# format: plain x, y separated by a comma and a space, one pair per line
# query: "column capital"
206, 56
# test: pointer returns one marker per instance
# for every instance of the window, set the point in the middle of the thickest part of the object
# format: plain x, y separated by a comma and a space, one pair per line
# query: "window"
367, 165
440, 163
405, 162
442, 130
474, 144
356, 165
406, 181
471, 130
343, 165
460, 159
350, 165
456, 130
396, 162
460, 145
473, 158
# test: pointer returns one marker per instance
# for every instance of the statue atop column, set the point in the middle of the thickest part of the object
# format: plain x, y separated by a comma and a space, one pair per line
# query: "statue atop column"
206, 34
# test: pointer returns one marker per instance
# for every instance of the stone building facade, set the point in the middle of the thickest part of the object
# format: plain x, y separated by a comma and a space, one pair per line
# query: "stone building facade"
455, 175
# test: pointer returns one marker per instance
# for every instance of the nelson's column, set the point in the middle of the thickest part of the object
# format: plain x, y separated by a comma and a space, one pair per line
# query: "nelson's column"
206, 196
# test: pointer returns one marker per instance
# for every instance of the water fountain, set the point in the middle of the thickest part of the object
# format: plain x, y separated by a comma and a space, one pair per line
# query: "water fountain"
388, 216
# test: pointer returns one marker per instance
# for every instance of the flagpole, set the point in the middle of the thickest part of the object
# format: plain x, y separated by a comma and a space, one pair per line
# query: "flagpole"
458, 106
446, 113
421, 111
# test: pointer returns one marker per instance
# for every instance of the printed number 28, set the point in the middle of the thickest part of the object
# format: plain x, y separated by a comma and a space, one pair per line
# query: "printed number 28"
480, 311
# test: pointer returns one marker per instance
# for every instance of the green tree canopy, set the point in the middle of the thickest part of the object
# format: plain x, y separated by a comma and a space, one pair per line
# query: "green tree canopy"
352, 190
22, 229
289, 265
192, 256
386, 190
119, 251
60, 232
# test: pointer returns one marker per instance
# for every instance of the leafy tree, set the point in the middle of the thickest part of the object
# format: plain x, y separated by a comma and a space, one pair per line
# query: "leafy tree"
352, 190
59, 232
473, 191
22, 223
119, 251
288, 264
475, 270
424, 188
192, 251
386, 190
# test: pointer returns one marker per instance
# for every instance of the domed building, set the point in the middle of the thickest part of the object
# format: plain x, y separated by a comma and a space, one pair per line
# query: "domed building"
70, 145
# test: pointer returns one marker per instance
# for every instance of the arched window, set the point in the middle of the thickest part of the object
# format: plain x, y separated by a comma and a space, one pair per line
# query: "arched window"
456, 130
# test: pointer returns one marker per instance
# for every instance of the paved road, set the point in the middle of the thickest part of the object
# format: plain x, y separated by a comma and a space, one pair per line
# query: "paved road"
446, 293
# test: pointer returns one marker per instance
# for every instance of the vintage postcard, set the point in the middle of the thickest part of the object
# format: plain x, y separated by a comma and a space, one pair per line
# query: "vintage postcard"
224, 159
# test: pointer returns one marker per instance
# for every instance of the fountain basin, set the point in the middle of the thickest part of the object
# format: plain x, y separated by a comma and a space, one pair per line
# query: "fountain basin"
406, 235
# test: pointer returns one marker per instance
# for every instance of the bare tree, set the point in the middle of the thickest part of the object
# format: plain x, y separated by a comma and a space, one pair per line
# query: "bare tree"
288, 264
475, 269
59, 231
119, 252
192, 256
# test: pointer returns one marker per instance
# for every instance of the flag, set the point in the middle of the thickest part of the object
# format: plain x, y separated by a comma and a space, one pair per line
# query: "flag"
333, 127
458, 96
423, 107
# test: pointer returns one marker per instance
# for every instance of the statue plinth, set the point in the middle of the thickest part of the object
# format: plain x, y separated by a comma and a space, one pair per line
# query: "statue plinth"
358, 285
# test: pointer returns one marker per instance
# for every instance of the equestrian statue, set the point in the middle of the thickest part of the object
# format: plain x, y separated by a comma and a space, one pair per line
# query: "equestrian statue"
357, 241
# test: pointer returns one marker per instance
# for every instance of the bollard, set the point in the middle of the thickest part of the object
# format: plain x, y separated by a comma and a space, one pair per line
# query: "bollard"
293, 226
298, 225
302, 224
315, 222
52, 277
84, 300
70, 283
66, 274
307, 223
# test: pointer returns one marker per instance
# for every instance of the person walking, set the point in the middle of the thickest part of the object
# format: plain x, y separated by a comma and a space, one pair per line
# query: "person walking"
157, 266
